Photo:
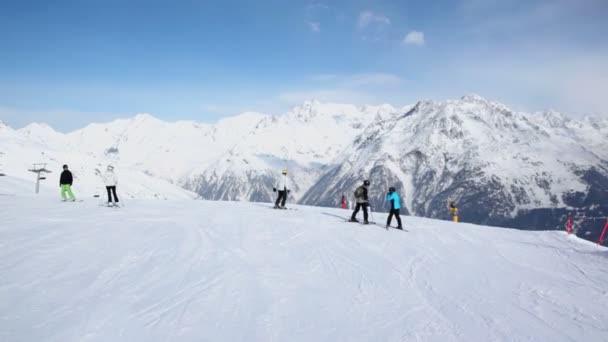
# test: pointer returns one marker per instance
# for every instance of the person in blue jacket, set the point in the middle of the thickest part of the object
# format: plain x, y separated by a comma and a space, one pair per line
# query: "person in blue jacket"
393, 198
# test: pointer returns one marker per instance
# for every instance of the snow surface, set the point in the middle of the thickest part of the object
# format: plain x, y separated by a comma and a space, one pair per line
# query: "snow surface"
183, 270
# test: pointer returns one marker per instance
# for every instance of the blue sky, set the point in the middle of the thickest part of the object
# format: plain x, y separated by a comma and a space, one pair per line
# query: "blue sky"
69, 63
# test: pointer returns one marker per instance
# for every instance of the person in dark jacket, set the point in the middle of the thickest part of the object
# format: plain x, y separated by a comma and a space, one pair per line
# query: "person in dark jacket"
362, 202
393, 198
65, 182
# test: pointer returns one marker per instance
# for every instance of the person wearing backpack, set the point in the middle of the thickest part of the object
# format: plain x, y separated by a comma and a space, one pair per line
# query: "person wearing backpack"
362, 202
393, 198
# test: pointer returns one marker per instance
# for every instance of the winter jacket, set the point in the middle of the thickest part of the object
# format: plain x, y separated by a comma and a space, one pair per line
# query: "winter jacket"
393, 199
66, 178
109, 178
283, 183
362, 191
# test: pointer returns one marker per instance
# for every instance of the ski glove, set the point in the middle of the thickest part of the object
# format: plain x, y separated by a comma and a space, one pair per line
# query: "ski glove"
288, 191
274, 189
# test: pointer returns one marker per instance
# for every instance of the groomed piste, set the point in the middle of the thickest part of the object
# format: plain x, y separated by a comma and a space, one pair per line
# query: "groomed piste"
189, 270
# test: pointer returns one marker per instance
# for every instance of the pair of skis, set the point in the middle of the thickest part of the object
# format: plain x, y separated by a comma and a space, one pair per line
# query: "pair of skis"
109, 205
283, 208
363, 223
379, 225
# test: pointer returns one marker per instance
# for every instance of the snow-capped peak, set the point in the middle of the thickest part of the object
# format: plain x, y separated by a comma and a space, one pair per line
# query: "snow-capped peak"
37, 127
473, 98
146, 117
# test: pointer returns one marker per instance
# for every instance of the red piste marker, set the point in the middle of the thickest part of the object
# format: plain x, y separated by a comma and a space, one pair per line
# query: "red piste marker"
601, 240
569, 225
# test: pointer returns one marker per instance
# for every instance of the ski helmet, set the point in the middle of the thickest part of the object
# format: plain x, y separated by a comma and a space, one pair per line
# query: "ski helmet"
366, 182
284, 171
65, 166
391, 189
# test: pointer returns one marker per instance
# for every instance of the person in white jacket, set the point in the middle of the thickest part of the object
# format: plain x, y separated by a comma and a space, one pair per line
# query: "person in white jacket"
283, 189
109, 179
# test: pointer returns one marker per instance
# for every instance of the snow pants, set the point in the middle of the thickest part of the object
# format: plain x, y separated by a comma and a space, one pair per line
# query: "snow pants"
390, 216
67, 188
112, 191
281, 199
359, 206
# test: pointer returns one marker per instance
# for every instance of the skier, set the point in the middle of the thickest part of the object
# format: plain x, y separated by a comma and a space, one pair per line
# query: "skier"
65, 182
109, 179
343, 202
362, 202
283, 191
393, 198
454, 211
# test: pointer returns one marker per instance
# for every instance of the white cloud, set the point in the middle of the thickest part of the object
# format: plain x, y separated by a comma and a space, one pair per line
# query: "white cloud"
317, 6
326, 95
375, 79
358, 89
414, 38
358, 80
314, 26
569, 82
368, 18
323, 77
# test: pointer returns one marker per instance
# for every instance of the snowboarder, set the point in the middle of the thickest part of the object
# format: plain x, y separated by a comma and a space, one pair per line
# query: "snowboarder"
109, 179
362, 202
65, 182
343, 202
283, 191
393, 198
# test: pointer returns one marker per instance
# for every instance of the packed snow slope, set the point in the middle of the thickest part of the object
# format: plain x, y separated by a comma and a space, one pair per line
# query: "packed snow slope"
233, 271
19, 149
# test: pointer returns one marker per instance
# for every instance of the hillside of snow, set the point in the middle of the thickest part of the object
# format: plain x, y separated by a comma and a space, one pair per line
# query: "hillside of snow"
181, 270
20, 149
502, 167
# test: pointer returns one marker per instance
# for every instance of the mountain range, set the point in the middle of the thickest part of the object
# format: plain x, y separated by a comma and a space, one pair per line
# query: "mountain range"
502, 167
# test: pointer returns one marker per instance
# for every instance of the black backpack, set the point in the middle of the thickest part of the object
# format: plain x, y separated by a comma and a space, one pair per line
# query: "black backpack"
359, 192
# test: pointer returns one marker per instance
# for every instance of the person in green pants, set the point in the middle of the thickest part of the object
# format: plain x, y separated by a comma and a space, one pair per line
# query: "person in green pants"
65, 182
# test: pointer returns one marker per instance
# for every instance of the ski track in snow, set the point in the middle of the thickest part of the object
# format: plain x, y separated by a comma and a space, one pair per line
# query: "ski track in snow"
228, 271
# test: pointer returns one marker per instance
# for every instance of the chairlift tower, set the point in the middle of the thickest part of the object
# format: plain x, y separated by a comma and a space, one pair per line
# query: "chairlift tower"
40, 170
